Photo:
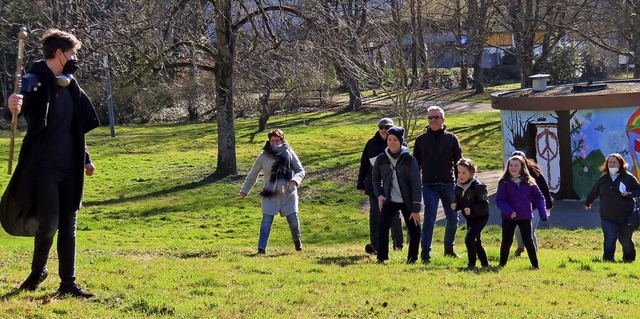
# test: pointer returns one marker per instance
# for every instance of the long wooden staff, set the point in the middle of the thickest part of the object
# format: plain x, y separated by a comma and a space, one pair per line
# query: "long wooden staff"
22, 36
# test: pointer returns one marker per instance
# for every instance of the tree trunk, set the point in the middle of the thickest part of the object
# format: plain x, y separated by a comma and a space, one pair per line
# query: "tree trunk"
464, 71
566, 190
265, 113
224, 92
478, 73
355, 100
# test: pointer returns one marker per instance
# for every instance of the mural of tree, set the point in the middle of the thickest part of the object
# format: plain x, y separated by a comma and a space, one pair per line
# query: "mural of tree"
563, 120
519, 130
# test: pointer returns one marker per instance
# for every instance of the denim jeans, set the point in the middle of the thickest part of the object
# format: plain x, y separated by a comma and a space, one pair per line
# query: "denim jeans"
265, 228
534, 225
374, 223
617, 230
431, 195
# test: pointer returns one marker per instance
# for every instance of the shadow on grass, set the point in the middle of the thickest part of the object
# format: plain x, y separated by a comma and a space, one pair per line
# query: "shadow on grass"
303, 120
10, 295
341, 261
178, 188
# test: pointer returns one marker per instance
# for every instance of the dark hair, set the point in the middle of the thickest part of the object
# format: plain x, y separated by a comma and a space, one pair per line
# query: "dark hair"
532, 166
623, 164
54, 39
469, 164
523, 170
276, 132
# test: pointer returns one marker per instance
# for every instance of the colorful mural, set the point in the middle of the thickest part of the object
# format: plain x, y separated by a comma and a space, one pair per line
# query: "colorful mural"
593, 134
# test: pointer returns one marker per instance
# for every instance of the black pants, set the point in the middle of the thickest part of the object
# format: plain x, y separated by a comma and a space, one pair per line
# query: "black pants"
389, 211
56, 212
374, 225
508, 230
473, 242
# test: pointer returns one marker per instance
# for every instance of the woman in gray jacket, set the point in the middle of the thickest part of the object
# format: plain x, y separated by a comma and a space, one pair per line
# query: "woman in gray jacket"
283, 173
397, 186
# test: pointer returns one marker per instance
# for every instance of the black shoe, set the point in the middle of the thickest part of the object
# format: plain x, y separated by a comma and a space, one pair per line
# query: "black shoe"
451, 253
73, 291
519, 252
369, 249
298, 244
260, 251
412, 260
426, 261
397, 247
34, 279
472, 267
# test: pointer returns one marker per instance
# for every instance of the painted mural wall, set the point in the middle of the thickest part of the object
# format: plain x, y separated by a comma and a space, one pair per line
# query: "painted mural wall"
586, 136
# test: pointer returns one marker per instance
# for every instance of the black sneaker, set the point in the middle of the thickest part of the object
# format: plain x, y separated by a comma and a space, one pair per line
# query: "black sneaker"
34, 279
412, 260
261, 251
451, 253
73, 291
369, 249
298, 244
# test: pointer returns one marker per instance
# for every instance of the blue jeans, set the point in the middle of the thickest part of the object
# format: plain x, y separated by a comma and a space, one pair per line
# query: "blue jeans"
265, 228
534, 225
617, 230
431, 195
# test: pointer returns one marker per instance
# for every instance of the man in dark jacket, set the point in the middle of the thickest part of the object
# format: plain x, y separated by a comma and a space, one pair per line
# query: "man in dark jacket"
374, 147
45, 191
437, 152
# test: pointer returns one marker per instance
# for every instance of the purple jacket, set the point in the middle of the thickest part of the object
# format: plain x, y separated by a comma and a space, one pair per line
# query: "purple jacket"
512, 197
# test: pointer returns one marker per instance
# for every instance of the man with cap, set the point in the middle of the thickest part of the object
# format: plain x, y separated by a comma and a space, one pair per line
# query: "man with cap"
437, 152
374, 147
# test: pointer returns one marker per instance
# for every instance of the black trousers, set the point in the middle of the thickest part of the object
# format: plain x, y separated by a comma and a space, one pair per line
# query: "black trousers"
374, 225
508, 230
389, 211
473, 242
56, 212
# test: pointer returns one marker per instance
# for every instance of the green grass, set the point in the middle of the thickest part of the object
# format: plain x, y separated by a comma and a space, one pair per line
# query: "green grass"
158, 238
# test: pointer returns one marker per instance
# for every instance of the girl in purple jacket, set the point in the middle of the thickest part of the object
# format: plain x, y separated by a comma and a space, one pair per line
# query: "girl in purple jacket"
517, 190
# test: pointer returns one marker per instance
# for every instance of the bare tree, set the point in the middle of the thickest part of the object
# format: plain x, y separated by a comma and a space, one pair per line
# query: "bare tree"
612, 25
531, 22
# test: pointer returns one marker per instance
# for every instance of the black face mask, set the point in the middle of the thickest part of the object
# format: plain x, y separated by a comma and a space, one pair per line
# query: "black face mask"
70, 67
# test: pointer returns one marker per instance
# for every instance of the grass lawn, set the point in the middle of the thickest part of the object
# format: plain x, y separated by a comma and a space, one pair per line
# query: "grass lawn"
158, 238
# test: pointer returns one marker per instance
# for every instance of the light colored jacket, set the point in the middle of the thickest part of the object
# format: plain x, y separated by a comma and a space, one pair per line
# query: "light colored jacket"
285, 200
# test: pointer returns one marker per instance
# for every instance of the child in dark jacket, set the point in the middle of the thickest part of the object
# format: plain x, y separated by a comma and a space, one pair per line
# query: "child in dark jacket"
517, 190
473, 201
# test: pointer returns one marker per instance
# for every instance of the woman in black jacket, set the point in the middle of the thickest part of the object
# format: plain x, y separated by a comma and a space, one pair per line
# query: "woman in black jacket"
396, 185
473, 201
616, 189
